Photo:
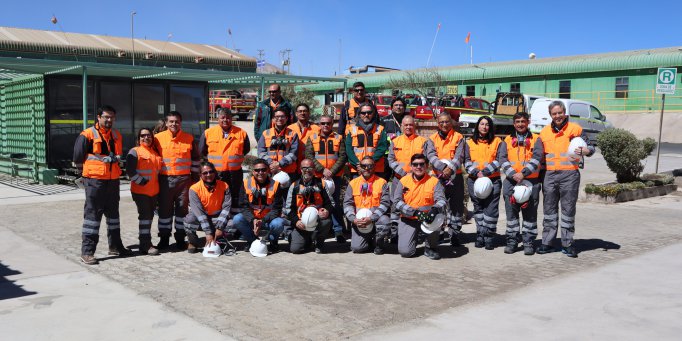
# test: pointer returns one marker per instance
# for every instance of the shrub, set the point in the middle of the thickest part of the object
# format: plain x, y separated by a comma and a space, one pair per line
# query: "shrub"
624, 153
613, 189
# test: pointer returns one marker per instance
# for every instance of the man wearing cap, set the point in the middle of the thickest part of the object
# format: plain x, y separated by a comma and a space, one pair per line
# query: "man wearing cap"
417, 197
368, 191
306, 192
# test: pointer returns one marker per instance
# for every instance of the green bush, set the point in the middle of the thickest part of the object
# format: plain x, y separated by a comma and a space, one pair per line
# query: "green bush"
613, 189
624, 153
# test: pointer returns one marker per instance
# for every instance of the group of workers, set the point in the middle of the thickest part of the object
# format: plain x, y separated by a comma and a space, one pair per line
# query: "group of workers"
295, 186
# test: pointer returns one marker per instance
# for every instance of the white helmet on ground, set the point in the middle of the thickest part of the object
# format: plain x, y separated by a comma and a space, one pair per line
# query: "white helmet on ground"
523, 191
575, 143
434, 225
309, 218
212, 250
329, 186
483, 187
364, 213
258, 248
282, 178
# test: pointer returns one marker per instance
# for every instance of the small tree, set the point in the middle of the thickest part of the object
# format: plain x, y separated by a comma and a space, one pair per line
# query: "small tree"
303, 96
624, 153
425, 82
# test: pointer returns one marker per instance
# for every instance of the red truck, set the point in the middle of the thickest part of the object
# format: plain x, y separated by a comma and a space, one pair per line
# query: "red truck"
383, 104
238, 103
454, 105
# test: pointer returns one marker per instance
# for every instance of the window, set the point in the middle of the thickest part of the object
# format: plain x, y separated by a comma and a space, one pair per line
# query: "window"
564, 89
622, 85
579, 110
471, 90
596, 114
474, 105
515, 87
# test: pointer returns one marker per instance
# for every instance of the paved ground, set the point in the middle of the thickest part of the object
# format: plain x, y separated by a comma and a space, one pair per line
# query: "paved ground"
335, 295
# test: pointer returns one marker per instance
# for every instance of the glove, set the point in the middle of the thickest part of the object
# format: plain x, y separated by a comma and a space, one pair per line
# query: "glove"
421, 216
512, 200
143, 181
107, 159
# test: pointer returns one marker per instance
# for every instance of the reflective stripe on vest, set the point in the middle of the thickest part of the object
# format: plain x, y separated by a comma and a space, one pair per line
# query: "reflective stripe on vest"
419, 194
226, 154
327, 150
175, 151
94, 167
279, 153
404, 147
367, 194
314, 200
148, 166
483, 153
212, 202
519, 156
556, 146
364, 146
446, 148
260, 210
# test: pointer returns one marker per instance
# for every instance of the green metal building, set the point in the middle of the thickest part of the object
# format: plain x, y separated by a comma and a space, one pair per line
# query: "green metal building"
614, 82
51, 84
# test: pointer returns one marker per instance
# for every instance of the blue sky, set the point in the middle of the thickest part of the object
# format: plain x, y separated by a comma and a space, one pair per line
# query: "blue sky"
396, 34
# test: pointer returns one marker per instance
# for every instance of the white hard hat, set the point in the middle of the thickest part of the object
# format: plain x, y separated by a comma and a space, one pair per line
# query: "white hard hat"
523, 191
309, 218
483, 187
282, 178
364, 213
329, 185
212, 250
434, 225
258, 248
575, 143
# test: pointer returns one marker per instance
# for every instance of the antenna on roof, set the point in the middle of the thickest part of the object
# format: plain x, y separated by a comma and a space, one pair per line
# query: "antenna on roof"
56, 22
163, 48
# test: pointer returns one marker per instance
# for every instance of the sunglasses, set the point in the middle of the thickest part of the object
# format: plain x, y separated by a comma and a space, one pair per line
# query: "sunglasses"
359, 90
325, 123
145, 135
306, 169
273, 92
366, 112
304, 110
366, 166
208, 172
280, 117
260, 170
418, 164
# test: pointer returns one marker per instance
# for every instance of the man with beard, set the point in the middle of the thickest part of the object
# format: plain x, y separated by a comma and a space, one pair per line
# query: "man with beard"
367, 137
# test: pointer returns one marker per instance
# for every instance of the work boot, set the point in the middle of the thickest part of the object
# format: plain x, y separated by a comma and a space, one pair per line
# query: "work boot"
273, 246
146, 247
180, 243
193, 245
528, 250
545, 249
479, 241
164, 242
510, 248
89, 259
454, 240
570, 251
340, 238
431, 253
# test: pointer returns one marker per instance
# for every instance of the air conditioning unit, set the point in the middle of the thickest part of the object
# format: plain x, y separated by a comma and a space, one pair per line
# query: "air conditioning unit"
149, 55
198, 60
121, 54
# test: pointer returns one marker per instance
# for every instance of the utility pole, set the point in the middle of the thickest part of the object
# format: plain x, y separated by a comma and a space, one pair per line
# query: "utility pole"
285, 55
132, 32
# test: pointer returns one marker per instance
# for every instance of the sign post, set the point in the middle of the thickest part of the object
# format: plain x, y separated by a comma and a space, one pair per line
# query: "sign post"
665, 85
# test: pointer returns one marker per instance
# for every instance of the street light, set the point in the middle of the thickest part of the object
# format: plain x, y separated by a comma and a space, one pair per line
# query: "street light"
132, 32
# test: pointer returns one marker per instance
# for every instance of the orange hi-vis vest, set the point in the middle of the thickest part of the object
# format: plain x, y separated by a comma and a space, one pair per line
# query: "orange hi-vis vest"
175, 151
445, 148
365, 145
405, 146
367, 193
311, 200
226, 154
94, 167
353, 108
303, 136
326, 150
280, 152
260, 208
212, 202
419, 194
519, 156
556, 146
148, 166
483, 153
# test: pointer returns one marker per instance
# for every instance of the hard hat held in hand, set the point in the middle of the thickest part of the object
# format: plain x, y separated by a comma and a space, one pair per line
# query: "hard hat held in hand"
575, 143
483, 187
449, 164
309, 218
523, 191
329, 186
435, 225
282, 178
212, 250
258, 248
364, 213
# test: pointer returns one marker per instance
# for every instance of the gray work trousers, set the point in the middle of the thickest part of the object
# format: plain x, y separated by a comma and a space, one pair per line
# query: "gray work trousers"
407, 237
101, 198
454, 192
514, 211
145, 214
560, 187
300, 240
173, 202
486, 211
361, 242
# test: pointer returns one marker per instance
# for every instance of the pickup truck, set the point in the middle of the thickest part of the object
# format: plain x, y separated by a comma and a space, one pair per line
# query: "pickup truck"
234, 100
456, 106
383, 104
502, 111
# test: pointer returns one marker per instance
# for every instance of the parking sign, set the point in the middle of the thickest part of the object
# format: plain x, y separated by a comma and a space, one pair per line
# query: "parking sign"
665, 80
